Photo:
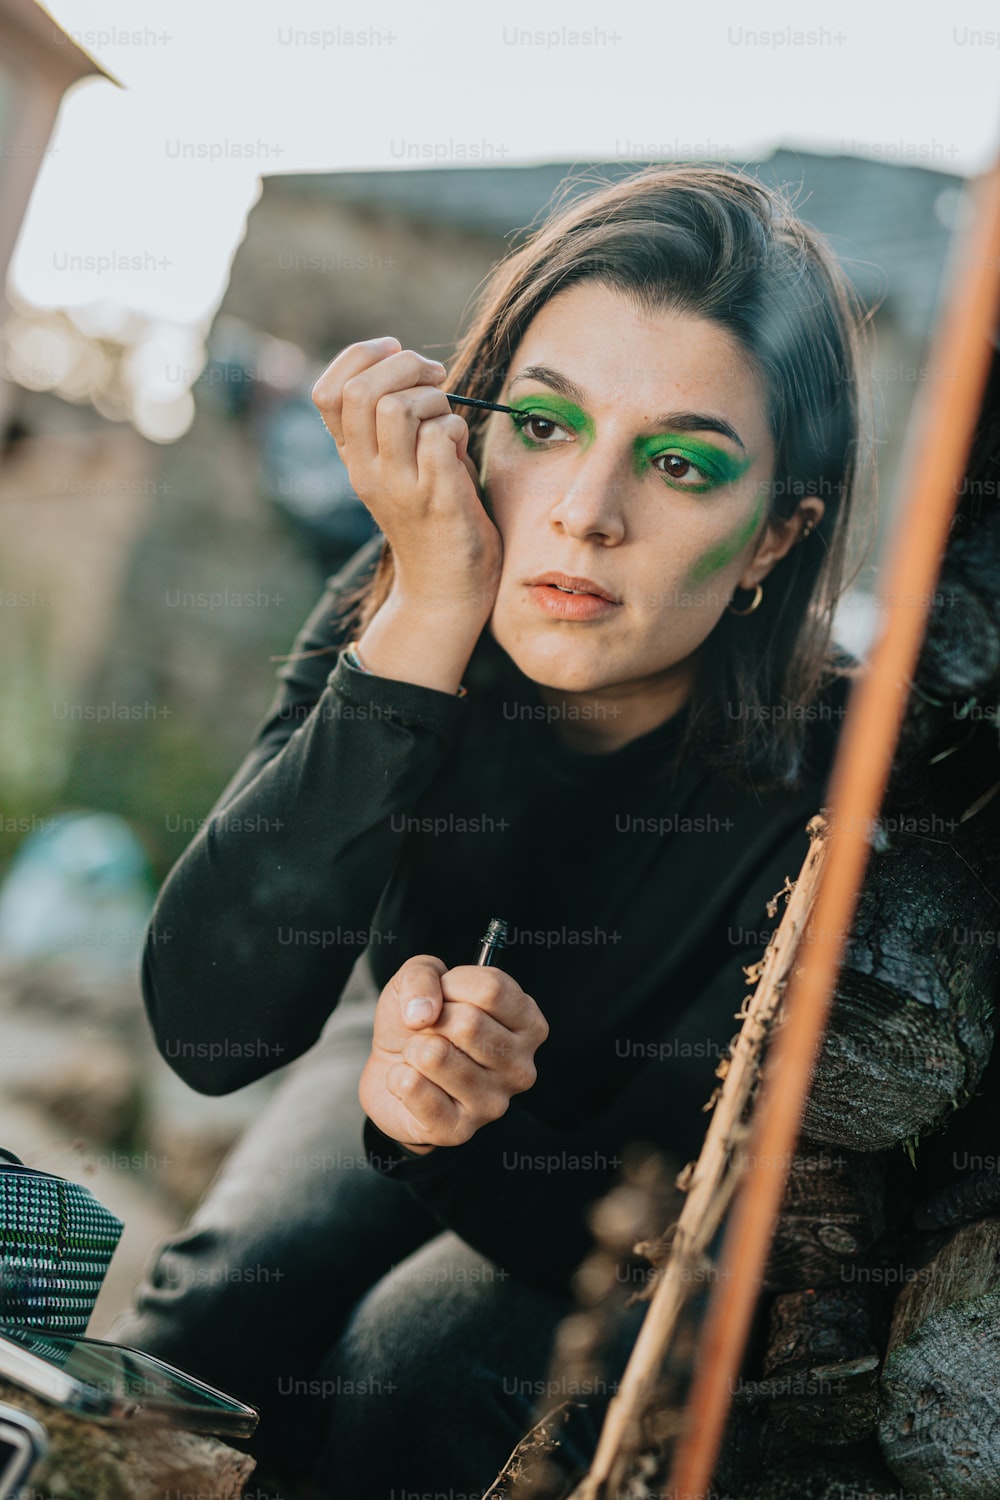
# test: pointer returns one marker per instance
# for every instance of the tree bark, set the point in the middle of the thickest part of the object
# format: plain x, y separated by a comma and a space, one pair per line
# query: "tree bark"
820, 1373
911, 1028
855, 1473
941, 1378
833, 1210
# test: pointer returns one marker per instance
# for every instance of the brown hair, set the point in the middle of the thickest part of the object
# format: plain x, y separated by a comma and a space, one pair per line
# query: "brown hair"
717, 243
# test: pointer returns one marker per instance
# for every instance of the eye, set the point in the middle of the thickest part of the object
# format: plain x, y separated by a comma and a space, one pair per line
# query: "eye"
544, 428
683, 471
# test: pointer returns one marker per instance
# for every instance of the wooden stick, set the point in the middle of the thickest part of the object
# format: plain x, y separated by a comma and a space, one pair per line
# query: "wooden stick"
709, 1182
938, 444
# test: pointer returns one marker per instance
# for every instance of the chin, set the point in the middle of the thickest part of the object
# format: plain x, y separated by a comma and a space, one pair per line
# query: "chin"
552, 666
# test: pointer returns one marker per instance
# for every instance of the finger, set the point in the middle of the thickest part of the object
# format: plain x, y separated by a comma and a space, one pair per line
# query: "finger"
418, 988
497, 994
362, 393
478, 1035
478, 1092
437, 1117
328, 390
398, 416
438, 442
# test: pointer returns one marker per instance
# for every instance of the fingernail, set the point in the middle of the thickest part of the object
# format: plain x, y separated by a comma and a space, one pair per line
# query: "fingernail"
417, 1011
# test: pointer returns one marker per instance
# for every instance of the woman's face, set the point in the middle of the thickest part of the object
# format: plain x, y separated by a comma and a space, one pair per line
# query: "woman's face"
644, 470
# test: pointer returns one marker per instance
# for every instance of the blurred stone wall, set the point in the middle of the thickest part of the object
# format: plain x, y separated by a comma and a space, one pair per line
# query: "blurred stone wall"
218, 580
324, 273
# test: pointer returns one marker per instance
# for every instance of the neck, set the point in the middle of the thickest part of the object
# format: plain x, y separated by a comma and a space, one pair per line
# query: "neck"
598, 722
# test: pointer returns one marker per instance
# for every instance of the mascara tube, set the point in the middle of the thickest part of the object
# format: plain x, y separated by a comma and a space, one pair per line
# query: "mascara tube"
493, 942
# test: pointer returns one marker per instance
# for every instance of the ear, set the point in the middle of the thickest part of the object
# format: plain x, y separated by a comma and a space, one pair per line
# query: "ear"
779, 537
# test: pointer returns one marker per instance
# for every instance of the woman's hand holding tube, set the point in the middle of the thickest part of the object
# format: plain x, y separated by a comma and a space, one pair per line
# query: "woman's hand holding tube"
449, 1050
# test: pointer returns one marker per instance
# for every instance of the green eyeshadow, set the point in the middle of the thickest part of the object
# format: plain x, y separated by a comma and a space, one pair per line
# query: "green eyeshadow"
554, 409
718, 466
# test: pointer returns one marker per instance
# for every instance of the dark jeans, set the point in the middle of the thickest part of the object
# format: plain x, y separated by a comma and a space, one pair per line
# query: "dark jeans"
385, 1355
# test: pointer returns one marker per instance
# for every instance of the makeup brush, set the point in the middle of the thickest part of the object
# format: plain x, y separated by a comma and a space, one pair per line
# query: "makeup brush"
484, 405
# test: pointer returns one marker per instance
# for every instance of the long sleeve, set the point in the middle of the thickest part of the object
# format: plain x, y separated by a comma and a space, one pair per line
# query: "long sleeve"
520, 1171
260, 921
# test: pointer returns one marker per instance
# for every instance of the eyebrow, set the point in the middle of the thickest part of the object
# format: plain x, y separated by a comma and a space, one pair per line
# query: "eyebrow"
671, 421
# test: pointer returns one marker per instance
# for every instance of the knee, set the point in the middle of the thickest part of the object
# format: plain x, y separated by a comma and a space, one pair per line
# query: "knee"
392, 1356
433, 1379
187, 1297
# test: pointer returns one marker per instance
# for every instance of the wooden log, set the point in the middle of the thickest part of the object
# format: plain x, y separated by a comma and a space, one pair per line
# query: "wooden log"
819, 1380
833, 1210
961, 652
911, 1028
855, 1473
961, 649
958, 1171
940, 1382
129, 1460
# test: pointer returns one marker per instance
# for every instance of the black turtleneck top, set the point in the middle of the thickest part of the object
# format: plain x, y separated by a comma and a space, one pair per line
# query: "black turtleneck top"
381, 815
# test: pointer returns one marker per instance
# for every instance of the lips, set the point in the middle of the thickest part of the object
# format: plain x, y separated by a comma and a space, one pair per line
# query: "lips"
577, 584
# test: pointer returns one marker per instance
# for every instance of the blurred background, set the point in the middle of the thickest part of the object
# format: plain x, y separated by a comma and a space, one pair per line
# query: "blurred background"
196, 213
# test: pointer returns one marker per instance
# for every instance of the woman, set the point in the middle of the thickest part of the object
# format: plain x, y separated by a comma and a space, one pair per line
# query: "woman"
590, 688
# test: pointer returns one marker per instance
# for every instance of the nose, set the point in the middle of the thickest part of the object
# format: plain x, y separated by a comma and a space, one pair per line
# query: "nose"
591, 495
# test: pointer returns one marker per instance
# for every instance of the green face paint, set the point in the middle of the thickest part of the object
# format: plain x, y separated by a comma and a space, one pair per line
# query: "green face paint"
718, 466
715, 464
723, 552
551, 409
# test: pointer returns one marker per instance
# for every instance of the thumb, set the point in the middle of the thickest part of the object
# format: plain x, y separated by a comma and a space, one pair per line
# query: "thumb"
420, 997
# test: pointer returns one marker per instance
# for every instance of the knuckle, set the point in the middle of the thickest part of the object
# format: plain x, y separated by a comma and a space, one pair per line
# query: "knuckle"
432, 1051
501, 1047
496, 1106
494, 985
466, 1026
409, 1082
393, 405
429, 431
437, 429
525, 1076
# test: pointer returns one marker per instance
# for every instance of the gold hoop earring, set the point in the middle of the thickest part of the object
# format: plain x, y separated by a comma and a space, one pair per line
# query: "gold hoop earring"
758, 596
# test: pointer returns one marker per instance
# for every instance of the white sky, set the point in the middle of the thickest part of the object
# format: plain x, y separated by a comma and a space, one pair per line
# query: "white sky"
447, 79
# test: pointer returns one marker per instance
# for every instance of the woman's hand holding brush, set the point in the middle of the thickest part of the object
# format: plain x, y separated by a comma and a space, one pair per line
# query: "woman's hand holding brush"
406, 452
